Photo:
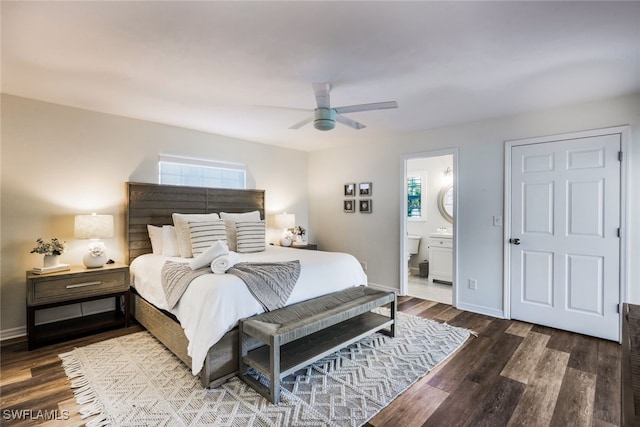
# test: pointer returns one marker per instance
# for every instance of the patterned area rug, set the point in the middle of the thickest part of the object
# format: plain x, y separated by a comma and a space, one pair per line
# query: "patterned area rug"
135, 380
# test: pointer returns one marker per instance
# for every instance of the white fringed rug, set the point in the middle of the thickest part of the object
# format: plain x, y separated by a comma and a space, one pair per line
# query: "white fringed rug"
135, 380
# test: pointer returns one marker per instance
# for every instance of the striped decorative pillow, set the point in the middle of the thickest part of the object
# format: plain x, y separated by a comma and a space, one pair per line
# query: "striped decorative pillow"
250, 236
181, 222
231, 219
206, 233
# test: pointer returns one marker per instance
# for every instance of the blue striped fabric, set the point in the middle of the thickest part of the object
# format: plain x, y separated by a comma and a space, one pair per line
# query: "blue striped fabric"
250, 236
204, 234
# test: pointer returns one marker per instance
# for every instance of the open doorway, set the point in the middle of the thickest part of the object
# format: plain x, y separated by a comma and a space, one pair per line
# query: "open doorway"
428, 226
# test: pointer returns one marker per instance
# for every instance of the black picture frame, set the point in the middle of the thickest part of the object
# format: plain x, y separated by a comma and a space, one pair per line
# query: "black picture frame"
365, 189
350, 189
366, 205
349, 206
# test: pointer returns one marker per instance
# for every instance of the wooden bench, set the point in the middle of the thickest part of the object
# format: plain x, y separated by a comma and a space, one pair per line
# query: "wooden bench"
299, 334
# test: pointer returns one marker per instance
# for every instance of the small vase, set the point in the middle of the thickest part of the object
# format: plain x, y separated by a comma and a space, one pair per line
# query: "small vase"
50, 260
299, 240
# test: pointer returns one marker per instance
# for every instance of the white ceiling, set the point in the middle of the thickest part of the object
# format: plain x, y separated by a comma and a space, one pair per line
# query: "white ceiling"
205, 65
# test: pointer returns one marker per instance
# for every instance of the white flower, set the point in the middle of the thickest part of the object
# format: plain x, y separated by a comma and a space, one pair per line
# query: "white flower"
96, 249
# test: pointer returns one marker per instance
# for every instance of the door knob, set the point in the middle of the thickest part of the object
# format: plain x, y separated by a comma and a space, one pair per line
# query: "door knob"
514, 241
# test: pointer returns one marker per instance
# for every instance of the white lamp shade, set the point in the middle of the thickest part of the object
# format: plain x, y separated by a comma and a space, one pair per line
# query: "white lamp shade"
93, 226
285, 220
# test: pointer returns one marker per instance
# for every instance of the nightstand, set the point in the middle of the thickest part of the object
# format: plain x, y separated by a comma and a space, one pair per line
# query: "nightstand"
307, 246
77, 285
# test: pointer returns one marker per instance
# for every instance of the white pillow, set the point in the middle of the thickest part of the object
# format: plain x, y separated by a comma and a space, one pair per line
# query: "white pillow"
155, 235
230, 220
181, 222
205, 233
169, 241
250, 236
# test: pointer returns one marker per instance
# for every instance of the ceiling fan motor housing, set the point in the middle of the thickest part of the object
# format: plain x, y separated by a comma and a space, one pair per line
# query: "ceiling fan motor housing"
324, 118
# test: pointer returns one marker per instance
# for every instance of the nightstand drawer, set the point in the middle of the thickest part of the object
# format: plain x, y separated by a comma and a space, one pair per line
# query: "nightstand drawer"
84, 285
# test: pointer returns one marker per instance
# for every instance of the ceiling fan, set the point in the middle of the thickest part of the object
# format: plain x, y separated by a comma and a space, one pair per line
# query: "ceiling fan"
325, 118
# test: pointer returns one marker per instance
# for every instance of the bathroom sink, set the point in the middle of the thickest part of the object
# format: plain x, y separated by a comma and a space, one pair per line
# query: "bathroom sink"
442, 235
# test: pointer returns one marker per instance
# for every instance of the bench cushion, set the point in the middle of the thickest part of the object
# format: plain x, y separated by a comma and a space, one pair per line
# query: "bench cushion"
298, 320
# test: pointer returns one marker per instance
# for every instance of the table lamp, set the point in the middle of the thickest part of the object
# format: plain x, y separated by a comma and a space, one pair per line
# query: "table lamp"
94, 227
285, 221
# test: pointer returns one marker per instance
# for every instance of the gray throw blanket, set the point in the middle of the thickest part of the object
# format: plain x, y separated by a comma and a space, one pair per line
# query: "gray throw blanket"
176, 277
271, 283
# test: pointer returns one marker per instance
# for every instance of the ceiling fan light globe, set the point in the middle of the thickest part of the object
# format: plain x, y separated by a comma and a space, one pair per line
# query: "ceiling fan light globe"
324, 119
324, 124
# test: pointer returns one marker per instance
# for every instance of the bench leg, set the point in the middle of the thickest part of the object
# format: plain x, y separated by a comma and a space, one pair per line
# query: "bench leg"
394, 314
273, 392
274, 362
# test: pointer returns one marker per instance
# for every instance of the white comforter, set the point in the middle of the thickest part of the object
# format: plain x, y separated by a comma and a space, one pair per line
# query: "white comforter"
212, 305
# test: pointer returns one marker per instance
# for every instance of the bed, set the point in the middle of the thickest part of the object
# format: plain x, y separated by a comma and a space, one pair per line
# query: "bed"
209, 333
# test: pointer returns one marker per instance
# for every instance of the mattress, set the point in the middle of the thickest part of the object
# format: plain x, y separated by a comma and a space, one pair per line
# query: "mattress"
213, 304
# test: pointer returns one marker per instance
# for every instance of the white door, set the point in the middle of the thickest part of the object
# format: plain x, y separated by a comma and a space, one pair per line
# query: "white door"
565, 250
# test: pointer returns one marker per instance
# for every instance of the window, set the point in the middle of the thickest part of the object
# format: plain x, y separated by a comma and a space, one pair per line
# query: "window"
175, 170
415, 197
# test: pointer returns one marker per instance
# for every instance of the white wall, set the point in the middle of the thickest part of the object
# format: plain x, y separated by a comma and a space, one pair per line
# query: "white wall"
59, 161
375, 238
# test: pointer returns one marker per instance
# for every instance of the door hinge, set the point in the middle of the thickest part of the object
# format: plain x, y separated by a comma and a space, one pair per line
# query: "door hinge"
618, 308
619, 156
618, 231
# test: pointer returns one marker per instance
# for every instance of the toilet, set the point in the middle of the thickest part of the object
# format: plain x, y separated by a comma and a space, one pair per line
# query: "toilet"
413, 243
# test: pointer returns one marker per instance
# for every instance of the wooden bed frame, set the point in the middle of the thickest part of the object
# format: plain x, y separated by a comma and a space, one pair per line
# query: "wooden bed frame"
154, 204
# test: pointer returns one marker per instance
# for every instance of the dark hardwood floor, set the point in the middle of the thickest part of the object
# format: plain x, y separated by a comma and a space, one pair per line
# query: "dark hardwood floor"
512, 373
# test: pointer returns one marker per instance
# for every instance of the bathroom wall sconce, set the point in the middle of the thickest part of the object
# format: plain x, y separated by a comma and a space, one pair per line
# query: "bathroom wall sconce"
448, 175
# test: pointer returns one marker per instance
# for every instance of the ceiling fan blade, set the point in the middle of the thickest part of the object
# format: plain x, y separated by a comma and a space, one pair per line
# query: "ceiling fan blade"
366, 107
321, 90
271, 107
349, 122
302, 123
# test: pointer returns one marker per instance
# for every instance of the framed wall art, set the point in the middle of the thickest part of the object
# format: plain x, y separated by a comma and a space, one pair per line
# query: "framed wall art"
350, 206
365, 189
350, 190
365, 205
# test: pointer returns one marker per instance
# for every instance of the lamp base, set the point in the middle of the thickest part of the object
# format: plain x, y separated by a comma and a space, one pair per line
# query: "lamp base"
285, 241
91, 261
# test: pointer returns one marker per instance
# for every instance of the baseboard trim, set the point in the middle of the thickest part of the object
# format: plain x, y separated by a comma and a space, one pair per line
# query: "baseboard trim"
479, 309
7, 334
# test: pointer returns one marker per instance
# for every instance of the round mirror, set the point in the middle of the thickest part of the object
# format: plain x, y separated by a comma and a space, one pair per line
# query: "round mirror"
445, 202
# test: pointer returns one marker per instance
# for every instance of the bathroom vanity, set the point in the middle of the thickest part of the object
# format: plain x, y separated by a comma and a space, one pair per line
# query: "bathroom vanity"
441, 257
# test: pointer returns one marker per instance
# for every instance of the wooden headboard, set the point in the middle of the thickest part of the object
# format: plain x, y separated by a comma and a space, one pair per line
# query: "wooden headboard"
154, 203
